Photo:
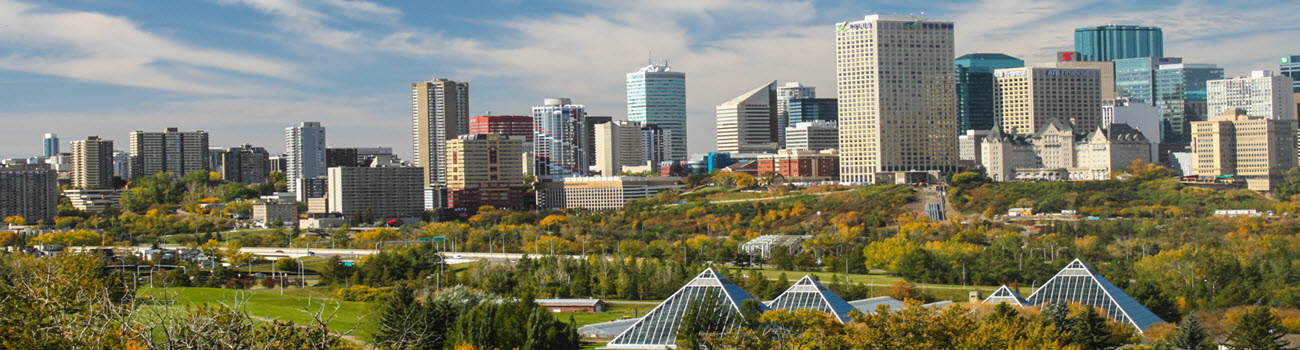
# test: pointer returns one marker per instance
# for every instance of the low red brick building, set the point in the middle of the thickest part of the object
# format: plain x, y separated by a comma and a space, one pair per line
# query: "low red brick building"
802, 165
572, 305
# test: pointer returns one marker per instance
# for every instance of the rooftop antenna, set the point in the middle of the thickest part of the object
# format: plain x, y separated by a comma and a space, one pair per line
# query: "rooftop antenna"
649, 57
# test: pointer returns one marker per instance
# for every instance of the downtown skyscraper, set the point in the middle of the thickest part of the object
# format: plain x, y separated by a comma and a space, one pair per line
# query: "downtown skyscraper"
1117, 42
749, 122
439, 112
174, 151
898, 108
559, 136
304, 147
657, 95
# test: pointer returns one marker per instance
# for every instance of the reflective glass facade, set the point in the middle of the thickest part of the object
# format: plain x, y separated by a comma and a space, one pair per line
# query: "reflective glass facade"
810, 109
657, 95
807, 293
1079, 283
1117, 42
658, 329
1135, 78
975, 88
1180, 95
1290, 67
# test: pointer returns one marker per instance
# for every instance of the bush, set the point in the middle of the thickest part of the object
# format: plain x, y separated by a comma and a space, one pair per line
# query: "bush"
270, 282
238, 283
361, 293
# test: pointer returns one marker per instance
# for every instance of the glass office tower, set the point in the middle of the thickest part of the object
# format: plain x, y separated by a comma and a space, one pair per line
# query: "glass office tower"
1135, 78
1180, 95
975, 88
657, 95
1117, 42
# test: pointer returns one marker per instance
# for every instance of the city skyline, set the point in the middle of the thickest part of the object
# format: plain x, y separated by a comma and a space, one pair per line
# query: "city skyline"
228, 71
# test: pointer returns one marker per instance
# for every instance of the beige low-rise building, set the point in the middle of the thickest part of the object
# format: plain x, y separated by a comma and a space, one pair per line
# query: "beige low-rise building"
381, 192
1255, 149
600, 192
269, 212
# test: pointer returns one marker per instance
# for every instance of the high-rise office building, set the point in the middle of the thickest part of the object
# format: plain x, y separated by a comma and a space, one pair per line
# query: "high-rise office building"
815, 135
1135, 78
656, 144
520, 126
439, 112
486, 169
1025, 99
803, 110
30, 191
1107, 69
748, 123
92, 163
974, 74
1290, 67
589, 124
1261, 94
618, 144
1181, 97
559, 133
898, 104
657, 95
50, 145
174, 151
1117, 42
245, 164
1256, 149
304, 147
785, 93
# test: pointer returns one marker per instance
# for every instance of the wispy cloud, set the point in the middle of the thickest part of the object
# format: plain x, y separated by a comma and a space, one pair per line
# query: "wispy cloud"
96, 47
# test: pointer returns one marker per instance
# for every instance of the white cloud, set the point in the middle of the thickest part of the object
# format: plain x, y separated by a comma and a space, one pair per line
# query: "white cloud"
100, 48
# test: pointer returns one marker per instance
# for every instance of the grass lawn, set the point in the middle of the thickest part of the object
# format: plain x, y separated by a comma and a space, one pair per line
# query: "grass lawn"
269, 304
613, 311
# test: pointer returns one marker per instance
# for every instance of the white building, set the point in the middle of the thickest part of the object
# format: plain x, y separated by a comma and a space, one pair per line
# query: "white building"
813, 136
1059, 152
969, 144
304, 147
657, 95
1261, 94
897, 97
785, 93
559, 130
439, 112
748, 123
381, 192
1139, 115
600, 192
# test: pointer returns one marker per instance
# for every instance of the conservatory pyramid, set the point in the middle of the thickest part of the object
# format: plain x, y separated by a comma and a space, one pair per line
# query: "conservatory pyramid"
1079, 283
1006, 295
807, 293
658, 328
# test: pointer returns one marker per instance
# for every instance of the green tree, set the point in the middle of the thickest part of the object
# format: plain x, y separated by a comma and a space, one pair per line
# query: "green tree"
1290, 185
1089, 330
1190, 335
1258, 329
403, 322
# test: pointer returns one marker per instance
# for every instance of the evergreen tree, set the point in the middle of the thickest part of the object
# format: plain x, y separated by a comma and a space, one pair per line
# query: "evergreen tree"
1089, 330
1003, 311
406, 323
1258, 329
1190, 335
1057, 315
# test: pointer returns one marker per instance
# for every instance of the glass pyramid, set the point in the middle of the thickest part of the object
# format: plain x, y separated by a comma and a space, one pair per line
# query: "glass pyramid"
1079, 283
658, 328
1006, 295
807, 293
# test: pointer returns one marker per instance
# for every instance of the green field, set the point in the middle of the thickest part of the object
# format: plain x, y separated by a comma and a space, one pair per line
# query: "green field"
269, 304
615, 310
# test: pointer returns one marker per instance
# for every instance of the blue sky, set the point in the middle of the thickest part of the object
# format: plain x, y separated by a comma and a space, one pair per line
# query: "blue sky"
245, 69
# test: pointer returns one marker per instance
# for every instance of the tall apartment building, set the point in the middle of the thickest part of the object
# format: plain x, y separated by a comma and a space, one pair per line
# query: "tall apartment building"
1181, 97
92, 163
304, 147
1253, 148
382, 192
245, 164
1135, 78
1117, 42
559, 136
657, 95
30, 191
1290, 67
813, 136
439, 112
335, 157
178, 152
656, 144
1026, 98
618, 144
50, 145
974, 75
748, 123
486, 169
278, 163
122, 164
898, 108
600, 192
1261, 94
784, 94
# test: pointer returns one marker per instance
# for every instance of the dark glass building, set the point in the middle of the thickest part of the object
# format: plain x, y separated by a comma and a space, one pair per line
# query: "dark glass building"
810, 109
975, 88
1117, 42
1290, 67
1180, 95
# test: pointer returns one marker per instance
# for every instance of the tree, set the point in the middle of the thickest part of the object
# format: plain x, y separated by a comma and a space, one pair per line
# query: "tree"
1290, 185
1190, 335
16, 220
1258, 329
1089, 331
406, 323
703, 316
286, 264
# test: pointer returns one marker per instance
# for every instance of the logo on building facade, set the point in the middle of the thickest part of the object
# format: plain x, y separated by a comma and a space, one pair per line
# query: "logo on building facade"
852, 26
1066, 56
